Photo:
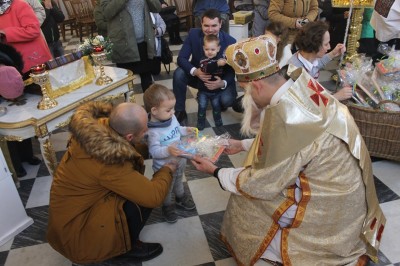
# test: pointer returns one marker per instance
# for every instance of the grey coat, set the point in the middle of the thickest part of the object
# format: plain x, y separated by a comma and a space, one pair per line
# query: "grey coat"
122, 33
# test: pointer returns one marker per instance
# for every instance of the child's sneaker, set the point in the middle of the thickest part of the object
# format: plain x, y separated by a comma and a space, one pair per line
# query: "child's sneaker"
217, 119
169, 214
185, 202
218, 123
201, 123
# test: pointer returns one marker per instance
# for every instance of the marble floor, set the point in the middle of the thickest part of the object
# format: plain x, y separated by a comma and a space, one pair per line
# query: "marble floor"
194, 239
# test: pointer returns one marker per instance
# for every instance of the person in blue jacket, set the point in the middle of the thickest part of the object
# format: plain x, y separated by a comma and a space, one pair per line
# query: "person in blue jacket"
189, 72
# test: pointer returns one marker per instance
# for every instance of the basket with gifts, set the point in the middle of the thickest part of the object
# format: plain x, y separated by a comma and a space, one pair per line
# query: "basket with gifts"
389, 69
375, 106
210, 147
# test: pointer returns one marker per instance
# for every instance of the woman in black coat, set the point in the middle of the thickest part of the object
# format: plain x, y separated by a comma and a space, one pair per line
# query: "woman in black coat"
172, 21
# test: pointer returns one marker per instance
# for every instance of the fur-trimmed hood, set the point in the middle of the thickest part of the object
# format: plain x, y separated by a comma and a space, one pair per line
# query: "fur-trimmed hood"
9, 56
90, 128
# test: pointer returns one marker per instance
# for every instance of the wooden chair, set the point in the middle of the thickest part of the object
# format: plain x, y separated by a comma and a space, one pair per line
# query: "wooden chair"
70, 21
184, 12
84, 16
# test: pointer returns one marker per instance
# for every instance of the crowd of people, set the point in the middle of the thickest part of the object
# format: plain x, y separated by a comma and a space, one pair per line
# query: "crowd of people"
305, 194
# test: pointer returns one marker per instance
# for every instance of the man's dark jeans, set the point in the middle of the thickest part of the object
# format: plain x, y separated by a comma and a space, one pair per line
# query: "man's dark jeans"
180, 82
136, 217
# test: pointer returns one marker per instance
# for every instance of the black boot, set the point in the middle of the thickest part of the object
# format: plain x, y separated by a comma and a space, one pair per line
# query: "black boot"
142, 251
170, 35
237, 105
178, 39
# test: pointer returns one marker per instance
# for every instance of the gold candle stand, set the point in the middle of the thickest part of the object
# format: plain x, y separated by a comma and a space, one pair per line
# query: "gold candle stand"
41, 77
99, 56
355, 23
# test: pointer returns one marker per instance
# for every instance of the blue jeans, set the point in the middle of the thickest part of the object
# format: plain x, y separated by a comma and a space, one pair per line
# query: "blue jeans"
180, 82
215, 99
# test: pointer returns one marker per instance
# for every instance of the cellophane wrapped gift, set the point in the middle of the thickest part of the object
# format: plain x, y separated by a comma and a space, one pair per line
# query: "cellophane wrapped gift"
210, 147
372, 88
388, 75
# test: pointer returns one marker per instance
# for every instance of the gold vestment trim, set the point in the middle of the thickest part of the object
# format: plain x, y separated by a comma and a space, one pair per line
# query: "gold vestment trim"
305, 198
284, 247
230, 249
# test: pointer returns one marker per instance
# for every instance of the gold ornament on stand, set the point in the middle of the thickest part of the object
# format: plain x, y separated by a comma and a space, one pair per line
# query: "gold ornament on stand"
40, 76
99, 55
353, 31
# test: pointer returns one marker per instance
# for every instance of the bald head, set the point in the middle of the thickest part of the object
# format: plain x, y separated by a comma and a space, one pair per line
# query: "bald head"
128, 118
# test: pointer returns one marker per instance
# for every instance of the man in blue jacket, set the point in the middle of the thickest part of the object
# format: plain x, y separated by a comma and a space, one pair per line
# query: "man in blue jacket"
200, 6
188, 72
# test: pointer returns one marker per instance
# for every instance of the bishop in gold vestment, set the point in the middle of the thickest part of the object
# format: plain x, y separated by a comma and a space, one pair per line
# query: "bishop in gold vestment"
305, 195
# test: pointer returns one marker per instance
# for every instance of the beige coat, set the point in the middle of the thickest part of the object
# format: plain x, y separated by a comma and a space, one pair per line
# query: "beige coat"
288, 11
98, 173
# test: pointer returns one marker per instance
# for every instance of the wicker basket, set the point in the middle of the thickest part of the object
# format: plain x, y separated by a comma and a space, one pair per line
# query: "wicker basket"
380, 130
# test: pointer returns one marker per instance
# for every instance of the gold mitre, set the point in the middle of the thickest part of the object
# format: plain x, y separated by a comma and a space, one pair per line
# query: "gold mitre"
253, 58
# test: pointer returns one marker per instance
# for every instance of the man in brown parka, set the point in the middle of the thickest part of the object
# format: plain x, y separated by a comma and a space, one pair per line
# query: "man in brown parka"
100, 199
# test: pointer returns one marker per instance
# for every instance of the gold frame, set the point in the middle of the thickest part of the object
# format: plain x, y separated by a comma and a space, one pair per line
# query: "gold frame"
76, 84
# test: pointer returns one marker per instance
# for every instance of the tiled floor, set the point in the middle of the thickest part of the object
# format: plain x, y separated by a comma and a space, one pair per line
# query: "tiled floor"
193, 240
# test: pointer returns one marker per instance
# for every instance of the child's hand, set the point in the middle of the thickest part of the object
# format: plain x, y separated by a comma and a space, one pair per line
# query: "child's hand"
174, 151
221, 62
190, 130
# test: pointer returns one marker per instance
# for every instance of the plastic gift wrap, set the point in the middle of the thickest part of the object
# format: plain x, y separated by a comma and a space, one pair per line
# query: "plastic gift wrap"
370, 90
356, 74
210, 147
389, 68
386, 79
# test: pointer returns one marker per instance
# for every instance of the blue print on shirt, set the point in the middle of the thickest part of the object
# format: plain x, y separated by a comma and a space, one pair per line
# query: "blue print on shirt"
170, 137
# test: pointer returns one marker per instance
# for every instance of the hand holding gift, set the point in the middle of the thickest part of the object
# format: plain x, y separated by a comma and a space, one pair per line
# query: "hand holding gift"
210, 147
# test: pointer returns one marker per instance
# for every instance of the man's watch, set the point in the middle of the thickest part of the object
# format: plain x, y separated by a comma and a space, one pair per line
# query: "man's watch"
215, 174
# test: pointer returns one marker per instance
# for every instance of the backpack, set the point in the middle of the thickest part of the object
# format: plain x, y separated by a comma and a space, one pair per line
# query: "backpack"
166, 54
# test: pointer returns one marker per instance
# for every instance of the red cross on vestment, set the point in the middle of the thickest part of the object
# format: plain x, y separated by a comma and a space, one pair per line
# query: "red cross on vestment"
317, 95
261, 143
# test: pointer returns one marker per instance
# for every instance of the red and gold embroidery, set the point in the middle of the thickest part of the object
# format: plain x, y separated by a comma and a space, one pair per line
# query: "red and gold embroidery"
373, 224
380, 231
260, 144
318, 89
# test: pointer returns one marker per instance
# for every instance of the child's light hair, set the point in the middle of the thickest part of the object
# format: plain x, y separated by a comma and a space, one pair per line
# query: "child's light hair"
211, 38
155, 95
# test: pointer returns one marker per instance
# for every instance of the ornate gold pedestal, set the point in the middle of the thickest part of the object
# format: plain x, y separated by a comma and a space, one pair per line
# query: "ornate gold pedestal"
355, 33
355, 27
99, 58
42, 79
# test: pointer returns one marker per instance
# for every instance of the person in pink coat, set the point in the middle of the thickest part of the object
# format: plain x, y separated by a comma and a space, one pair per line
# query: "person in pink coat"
20, 28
